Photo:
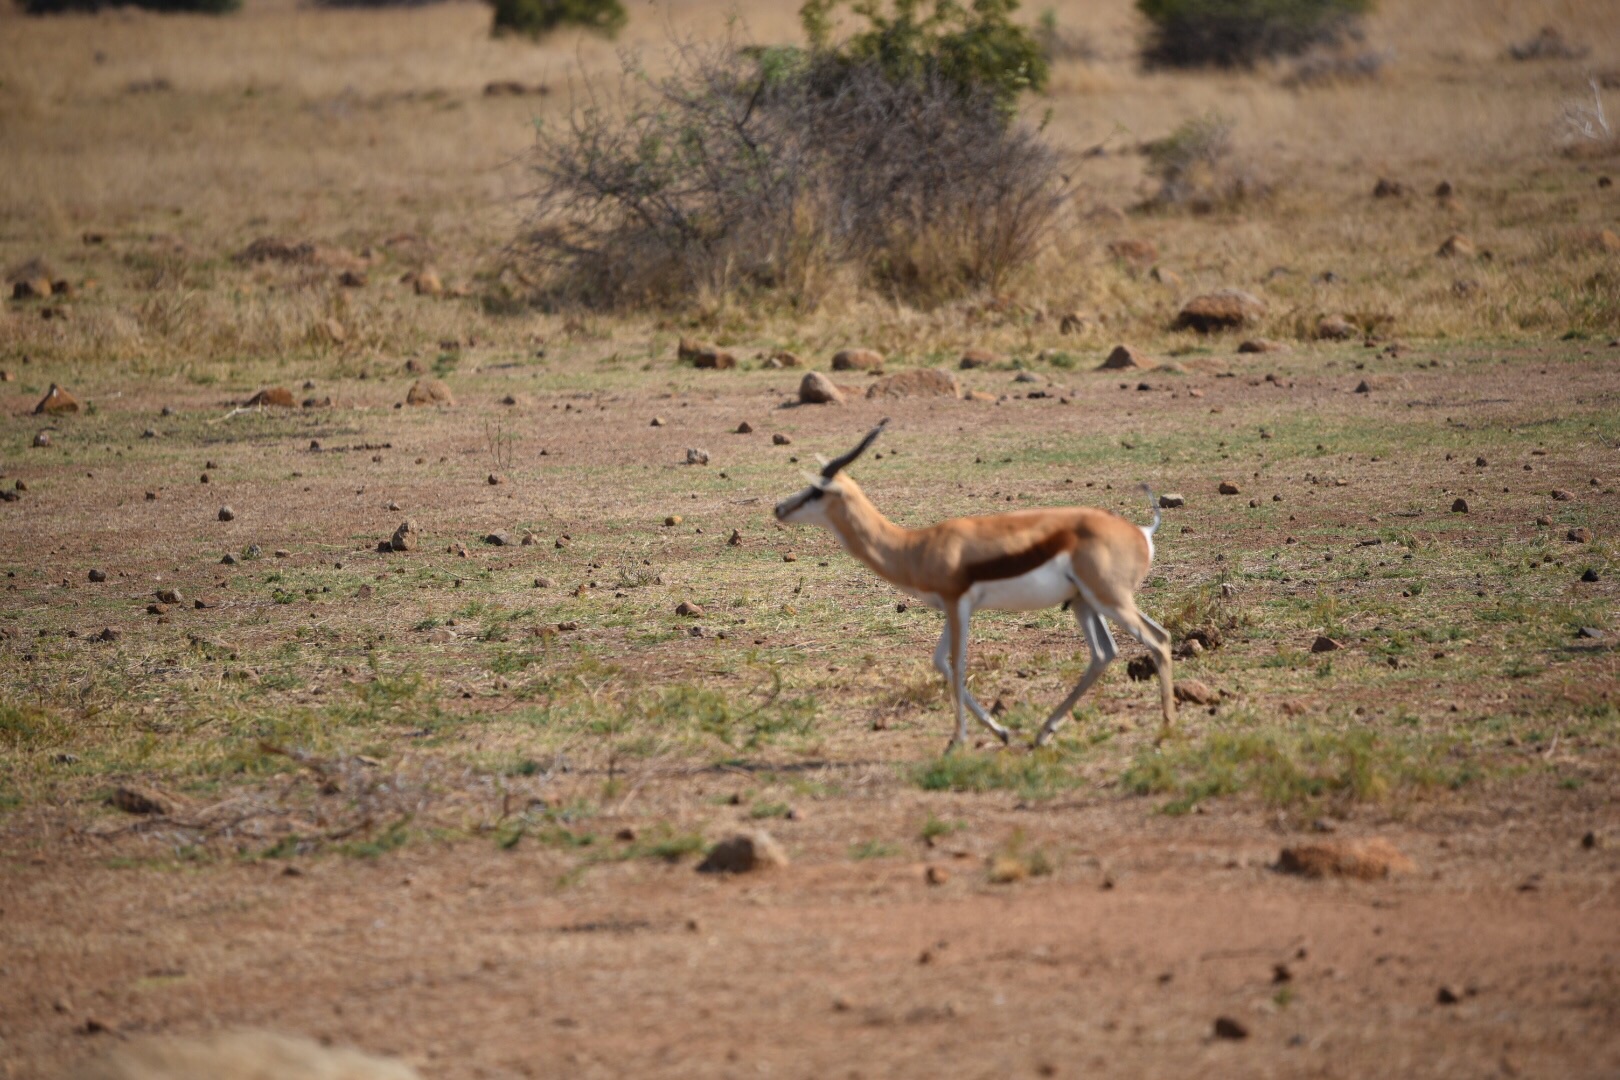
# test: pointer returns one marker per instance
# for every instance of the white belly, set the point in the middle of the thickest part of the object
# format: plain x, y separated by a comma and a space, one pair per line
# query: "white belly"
1048, 585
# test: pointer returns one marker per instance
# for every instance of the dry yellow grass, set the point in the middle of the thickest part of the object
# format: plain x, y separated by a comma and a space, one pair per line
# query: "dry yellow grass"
355, 127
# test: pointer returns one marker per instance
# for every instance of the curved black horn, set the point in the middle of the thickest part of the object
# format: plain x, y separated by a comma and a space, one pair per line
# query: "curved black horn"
832, 468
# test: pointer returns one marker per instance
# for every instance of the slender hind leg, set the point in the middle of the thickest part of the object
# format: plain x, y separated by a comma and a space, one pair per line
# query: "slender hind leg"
1157, 639
942, 663
1103, 650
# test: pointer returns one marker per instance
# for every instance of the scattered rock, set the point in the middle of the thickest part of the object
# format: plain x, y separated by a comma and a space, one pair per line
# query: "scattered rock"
1335, 328
696, 456
1366, 860
1073, 323
1389, 189
509, 399
1170, 500
1262, 345
406, 537
42, 439
745, 428
1126, 358
169, 596
134, 800
1224, 309
1444, 190
544, 583
703, 355
1562, 495
1193, 692
1544, 521
427, 391
1589, 576
1229, 488
857, 360
55, 402
689, 609
98, 575
780, 440
918, 382
109, 634
277, 396
1457, 246
977, 358
352, 279
744, 853
1447, 995
783, 359
227, 514
426, 283
1590, 633
1363, 387
657, 421
1166, 277
1323, 643
936, 875
672, 520
816, 389
1228, 1028
736, 539
788, 556
495, 479
499, 539
1579, 535
1459, 506
35, 288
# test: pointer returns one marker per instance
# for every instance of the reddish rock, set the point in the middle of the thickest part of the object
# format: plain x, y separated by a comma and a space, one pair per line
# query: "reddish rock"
427, 391
1225, 309
1365, 860
918, 382
55, 402
278, 396
816, 389
1126, 358
857, 360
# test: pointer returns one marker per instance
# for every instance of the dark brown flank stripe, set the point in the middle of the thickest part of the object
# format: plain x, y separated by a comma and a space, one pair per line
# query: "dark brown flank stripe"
1021, 562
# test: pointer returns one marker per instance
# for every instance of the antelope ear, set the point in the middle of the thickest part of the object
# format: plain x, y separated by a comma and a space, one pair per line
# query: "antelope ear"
822, 459
815, 479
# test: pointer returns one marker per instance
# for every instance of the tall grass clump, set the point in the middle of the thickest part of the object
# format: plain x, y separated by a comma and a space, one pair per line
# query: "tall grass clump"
1240, 33
892, 160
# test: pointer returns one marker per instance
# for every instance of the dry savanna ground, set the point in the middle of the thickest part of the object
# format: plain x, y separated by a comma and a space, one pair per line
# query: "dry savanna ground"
445, 805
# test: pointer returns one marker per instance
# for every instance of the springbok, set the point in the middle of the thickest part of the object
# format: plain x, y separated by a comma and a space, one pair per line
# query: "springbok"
1026, 560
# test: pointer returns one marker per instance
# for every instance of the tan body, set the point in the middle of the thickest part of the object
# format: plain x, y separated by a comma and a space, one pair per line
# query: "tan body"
1022, 561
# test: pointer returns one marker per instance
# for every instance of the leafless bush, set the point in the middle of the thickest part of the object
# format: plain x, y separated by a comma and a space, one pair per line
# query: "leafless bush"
1548, 44
766, 171
1586, 122
1197, 168
1333, 66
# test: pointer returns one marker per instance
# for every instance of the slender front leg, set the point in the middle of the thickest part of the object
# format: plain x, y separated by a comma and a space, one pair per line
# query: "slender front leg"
1103, 650
956, 622
942, 664
1157, 639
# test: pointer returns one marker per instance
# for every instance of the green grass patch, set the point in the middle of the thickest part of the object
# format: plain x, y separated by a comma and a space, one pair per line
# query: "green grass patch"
1040, 774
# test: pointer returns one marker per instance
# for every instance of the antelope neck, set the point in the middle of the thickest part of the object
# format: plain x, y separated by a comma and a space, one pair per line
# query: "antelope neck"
869, 536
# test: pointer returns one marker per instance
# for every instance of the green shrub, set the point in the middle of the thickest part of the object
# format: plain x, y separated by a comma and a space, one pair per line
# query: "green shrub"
536, 18
971, 47
1238, 33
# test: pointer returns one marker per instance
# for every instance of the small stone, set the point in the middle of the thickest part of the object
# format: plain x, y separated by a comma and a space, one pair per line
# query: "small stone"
1171, 500
405, 537
271, 396
425, 283
1323, 643
157, 609
788, 556
1228, 1028
1363, 387
55, 402
1193, 692
499, 539
1561, 495
1589, 841
227, 514
695, 456
109, 634
744, 853
816, 389
134, 800
689, 609
745, 428
977, 358
544, 583
1367, 860
428, 391
937, 875
1220, 310
657, 421
857, 360
1335, 328
1389, 189
1127, 358
1446, 995
1589, 576
529, 540
1229, 488
495, 479
169, 596
736, 539
1459, 506
1591, 633
1457, 246
1140, 669
673, 520
1579, 535
1261, 345
98, 575
918, 382
227, 559
780, 440
1544, 521
42, 439
203, 603
1481, 462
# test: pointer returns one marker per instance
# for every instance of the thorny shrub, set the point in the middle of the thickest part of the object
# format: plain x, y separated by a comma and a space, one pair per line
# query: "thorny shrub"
778, 171
537, 18
1240, 33
1197, 169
